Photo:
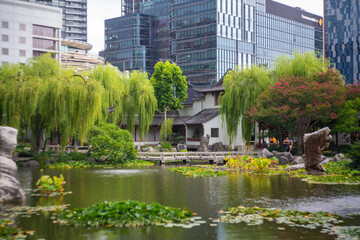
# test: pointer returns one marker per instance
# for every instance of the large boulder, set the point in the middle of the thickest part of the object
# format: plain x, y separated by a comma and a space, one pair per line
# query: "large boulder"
218, 147
181, 147
204, 143
314, 144
295, 167
298, 160
265, 153
10, 189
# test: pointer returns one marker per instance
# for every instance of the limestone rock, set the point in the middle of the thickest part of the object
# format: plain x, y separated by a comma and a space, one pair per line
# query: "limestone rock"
314, 144
180, 147
298, 160
295, 167
10, 189
204, 143
148, 149
265, 153
218, 147
283, 160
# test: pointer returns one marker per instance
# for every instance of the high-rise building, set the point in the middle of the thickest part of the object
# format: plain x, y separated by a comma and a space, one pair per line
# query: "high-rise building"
74, 17
208, 37
131, 6
342, 37
28, 30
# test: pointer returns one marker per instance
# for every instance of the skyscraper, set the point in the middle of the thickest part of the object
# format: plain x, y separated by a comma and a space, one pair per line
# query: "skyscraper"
74, 17
342, 29
208, 37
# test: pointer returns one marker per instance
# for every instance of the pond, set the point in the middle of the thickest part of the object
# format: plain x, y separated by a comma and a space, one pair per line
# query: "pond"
204, 196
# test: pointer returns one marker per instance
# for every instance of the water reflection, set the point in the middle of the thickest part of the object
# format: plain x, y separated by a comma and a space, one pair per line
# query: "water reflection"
205, 196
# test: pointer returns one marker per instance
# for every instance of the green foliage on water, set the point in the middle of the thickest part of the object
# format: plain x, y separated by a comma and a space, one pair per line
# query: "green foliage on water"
49, 185
291, 218
88, 164
9, 232
120, 214
198, 171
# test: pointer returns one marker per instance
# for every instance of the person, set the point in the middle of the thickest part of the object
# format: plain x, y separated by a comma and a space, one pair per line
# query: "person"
287, 144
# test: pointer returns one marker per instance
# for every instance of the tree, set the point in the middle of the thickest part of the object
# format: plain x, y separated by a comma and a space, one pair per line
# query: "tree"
242, 88
299, 104
170, 86
299, 65
110, 142
41, 97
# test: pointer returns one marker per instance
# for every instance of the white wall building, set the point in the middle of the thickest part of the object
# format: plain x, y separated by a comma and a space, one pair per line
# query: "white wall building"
28, 30
200, 116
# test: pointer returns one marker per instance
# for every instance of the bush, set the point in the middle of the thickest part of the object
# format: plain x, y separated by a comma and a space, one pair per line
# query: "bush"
177, 138
354, 155
249, 164
112, 143
166, 145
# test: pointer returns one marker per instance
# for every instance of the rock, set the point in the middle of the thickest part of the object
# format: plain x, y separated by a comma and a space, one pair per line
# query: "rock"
180, 147
314, 144
31, 164
204, 143
295, 167
148, 149
138, 148
265, 153
10, 189
339, 157
218, 147
283, 160
174, 149
298, 160
49, 161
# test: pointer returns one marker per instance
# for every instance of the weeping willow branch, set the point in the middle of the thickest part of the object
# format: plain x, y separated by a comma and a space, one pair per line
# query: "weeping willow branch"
242, 87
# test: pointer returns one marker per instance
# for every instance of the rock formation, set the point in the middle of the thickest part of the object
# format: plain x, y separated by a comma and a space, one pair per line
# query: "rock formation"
10, 189
314, 144
204, 143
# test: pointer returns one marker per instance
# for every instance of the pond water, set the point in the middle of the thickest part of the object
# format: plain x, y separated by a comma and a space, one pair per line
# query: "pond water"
205, 196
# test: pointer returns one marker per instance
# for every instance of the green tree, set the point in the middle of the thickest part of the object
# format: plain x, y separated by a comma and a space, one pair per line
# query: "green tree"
112, 143
242, 88
40, 97
299, 104
299, 65
170, 87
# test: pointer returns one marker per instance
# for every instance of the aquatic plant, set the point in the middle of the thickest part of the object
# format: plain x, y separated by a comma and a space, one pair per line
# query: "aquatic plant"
250, 164
49, 186
9, 232
292, 218
129, 213
198, 171
87, 164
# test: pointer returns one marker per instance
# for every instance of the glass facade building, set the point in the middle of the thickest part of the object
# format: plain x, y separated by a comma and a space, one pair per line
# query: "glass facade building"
342, 39
127, 42
208, 37
74, 17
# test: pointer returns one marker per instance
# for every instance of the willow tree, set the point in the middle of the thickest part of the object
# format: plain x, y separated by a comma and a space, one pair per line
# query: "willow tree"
242, 88
43, 99
125, 98
300, 65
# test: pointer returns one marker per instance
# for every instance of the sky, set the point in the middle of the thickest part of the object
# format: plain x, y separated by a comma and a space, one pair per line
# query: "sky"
99, 10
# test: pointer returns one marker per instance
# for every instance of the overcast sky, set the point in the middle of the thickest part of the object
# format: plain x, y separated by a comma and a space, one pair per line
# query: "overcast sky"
99, 10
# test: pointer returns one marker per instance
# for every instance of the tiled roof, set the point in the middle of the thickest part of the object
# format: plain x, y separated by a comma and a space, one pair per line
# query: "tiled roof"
203, 116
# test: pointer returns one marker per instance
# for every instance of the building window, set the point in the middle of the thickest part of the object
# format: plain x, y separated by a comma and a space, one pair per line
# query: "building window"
5, 51
5, 38
214, 132
44, 31
22, 53
44, 44
4, 24
22, 27
22, 40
